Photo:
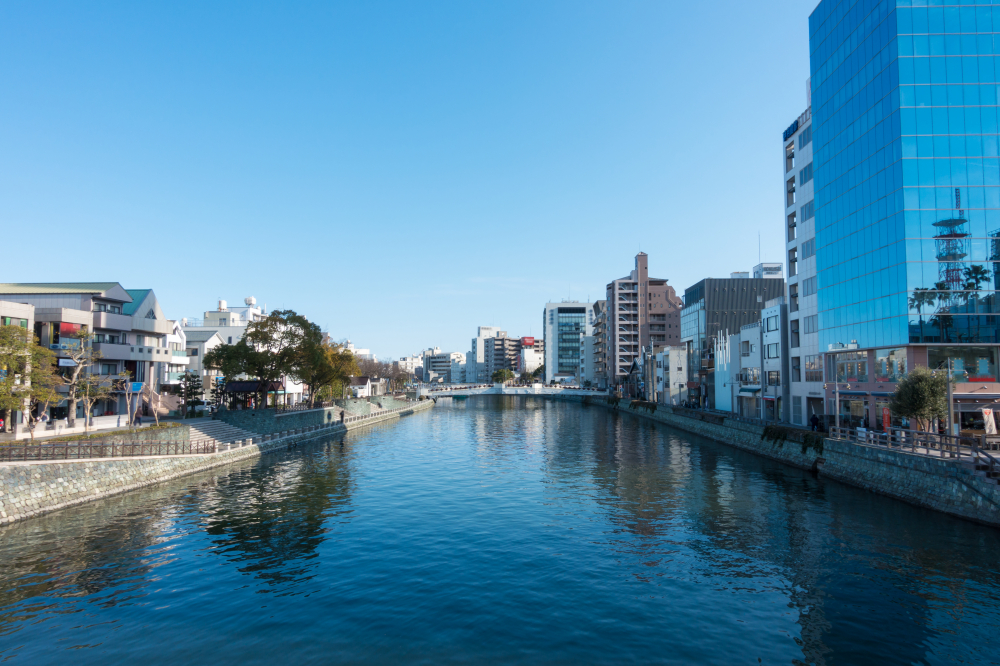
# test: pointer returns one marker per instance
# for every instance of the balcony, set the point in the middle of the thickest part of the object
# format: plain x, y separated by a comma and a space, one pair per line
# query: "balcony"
161, 326
113, 352
173, 377
113, 322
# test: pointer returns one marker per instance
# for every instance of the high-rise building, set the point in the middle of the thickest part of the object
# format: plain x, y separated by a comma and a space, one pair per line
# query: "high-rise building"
641, 312
564, 324
907, 196
805, 376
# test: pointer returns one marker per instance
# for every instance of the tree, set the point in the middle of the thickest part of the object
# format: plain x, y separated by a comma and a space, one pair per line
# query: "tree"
921, 395
502, 376
27, 375
94, 388
191, 392
975, 275
269, 349
218, 392
83, 356
527, 377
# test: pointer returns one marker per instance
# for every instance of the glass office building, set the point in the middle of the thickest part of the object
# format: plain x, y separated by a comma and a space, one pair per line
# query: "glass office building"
907, 181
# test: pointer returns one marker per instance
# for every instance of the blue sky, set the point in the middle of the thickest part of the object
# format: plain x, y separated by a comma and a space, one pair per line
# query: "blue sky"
399, 172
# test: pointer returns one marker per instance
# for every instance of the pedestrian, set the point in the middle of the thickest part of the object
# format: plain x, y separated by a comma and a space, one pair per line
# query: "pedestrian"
814, 421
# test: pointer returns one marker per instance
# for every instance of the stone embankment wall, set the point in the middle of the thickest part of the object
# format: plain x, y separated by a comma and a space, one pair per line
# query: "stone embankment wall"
941, 484
30, 489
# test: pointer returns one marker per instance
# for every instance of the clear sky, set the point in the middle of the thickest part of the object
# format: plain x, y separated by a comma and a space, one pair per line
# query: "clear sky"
399, 172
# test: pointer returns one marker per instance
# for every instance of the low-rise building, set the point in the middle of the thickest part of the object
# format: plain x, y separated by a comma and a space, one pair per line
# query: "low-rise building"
129, 330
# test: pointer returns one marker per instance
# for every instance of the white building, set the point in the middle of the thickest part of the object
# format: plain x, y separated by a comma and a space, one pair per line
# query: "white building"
532, 357
475, 361
671, 375
806, 361
439, 366
230, 323
199, 343
774, 329
412, 365
564, 324
360, 353
587, 375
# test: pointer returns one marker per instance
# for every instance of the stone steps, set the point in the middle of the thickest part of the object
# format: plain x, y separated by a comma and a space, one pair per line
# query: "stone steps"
218, 431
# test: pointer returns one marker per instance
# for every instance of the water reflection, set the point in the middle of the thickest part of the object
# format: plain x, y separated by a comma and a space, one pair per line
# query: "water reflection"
501, 530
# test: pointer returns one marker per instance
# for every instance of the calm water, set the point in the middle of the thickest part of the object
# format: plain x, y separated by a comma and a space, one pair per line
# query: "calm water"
501, 530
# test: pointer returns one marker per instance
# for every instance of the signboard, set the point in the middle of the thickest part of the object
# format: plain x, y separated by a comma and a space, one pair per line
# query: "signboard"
527, 342
136, 387
886, 418
990, 423
67, 363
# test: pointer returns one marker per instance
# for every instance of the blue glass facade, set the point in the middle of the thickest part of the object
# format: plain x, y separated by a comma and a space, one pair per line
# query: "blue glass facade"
907, 180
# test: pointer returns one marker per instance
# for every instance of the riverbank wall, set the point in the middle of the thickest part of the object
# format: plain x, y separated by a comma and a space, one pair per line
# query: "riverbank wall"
30, 489
942, 484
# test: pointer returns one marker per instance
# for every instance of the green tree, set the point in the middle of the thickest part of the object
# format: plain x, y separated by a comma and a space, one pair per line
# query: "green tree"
502, 376
27, 374
192, 393
921, 396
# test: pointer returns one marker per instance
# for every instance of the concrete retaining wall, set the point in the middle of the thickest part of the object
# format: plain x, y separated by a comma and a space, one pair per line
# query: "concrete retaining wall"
31, 489
937, 483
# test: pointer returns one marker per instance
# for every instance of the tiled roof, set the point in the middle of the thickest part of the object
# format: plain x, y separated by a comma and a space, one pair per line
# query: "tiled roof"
56, 287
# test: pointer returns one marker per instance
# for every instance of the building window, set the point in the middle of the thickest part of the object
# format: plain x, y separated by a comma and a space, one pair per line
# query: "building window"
851, 366
772, 351
808, 248
791, 227
807, 210
806, 137
773, 378
806, 174
793, 330
968, 364
814, 368
796, 369
793, 298
793, 258
109, 368
810, 324
890, 364
790, 193
772, 323
809, 286
789, 157
192, 352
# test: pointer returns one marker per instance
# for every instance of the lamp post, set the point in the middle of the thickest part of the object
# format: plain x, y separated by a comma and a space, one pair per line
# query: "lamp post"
836, 399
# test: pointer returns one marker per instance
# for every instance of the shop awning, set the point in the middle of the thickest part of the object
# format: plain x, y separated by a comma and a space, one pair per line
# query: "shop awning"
749, 390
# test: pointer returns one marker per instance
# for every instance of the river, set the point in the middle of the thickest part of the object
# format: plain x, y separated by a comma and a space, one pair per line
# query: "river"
500, 530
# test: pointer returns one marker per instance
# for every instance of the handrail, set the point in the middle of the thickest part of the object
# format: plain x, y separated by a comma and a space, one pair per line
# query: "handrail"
918, 442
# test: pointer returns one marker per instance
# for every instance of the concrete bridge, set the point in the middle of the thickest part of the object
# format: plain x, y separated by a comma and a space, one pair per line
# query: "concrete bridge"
465, 390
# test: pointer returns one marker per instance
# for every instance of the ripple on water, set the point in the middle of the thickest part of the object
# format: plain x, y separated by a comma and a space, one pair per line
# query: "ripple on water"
500, 530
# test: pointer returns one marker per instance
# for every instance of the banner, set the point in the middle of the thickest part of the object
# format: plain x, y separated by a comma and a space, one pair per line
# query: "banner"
991, 424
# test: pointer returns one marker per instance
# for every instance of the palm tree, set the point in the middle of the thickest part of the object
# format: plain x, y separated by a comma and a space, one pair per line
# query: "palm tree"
975, 275
921, 297
943, 316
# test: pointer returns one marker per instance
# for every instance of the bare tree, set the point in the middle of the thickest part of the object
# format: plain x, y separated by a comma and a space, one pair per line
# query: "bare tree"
83, 356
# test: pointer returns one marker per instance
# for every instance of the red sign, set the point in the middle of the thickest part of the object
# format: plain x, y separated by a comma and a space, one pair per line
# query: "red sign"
527, 342
886, 418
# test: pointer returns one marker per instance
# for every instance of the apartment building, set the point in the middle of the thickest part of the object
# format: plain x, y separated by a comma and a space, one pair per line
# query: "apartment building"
600, 345
475, 361
805, 379
641, 312
532, 355
129, 330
